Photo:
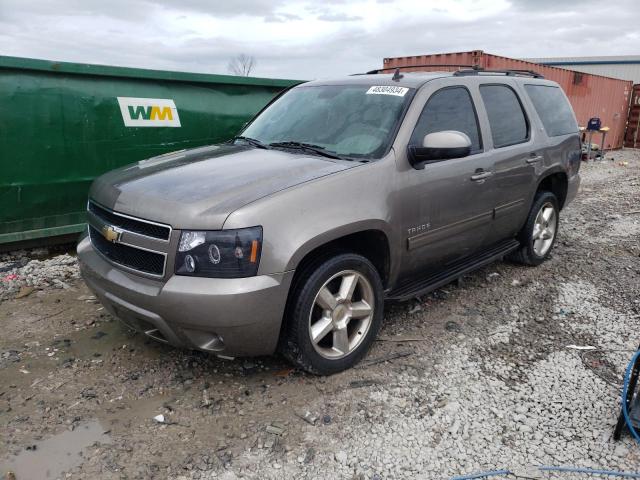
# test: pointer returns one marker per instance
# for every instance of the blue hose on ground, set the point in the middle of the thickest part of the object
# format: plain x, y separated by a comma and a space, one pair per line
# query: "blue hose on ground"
589, 471
483, 475
625, 391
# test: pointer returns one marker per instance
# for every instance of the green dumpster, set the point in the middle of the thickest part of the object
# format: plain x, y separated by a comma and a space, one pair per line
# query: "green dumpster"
63, 124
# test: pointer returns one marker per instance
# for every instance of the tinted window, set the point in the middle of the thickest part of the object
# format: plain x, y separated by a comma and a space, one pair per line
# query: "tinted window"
553, 109
448, 109
506, 118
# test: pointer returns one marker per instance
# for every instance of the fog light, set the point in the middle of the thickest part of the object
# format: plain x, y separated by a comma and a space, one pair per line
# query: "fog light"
190, 264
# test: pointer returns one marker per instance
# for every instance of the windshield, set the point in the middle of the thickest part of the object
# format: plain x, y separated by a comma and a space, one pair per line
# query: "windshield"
350, 121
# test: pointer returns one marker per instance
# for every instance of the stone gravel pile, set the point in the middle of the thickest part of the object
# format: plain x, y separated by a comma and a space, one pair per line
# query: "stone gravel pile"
21, 272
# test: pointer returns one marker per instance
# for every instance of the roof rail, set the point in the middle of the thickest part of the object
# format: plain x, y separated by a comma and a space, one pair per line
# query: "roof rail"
509, 73
437, 65
470, 70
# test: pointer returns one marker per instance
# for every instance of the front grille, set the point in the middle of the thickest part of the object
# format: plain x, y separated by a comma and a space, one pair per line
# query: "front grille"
131, 224
142, 260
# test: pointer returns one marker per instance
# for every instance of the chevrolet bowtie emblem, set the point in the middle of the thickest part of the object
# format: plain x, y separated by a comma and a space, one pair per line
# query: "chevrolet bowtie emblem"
111, 233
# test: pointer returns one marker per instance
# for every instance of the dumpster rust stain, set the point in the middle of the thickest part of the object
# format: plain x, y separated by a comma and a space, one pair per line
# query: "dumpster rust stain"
57, 454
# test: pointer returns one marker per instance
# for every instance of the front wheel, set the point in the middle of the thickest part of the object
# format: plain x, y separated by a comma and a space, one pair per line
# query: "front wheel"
334, 314
540, 231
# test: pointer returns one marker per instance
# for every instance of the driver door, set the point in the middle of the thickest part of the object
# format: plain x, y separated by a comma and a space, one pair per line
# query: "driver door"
447, 205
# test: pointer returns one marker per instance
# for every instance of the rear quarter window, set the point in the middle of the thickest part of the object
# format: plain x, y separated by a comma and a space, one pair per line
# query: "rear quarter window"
553, 109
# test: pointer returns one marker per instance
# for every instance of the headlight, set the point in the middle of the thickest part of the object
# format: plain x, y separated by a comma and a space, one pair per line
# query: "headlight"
219, 254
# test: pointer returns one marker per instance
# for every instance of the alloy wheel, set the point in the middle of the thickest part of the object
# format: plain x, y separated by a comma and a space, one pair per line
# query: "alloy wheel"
341, 314
544, 229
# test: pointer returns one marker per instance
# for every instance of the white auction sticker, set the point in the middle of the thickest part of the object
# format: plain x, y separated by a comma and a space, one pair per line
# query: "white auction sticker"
388, 90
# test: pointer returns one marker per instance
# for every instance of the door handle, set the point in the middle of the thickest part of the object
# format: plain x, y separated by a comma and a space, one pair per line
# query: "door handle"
534, 159
481, 176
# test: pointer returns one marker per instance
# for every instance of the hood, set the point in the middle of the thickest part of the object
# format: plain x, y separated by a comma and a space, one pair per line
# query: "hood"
199, 188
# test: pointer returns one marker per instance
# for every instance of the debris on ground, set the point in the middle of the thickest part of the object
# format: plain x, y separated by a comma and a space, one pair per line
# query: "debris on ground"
19, 271
307, 416
275, 429
416, 308
159, 418
24, 291
581, 347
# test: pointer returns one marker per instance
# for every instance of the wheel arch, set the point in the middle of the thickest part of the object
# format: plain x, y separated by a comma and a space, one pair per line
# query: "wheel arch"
555, 181
371, 240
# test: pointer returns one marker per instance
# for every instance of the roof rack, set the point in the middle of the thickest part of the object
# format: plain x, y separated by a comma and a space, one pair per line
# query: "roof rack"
509, 73
381, 70
470, 70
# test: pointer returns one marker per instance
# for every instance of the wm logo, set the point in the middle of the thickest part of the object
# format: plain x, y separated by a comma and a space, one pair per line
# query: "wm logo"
148, 112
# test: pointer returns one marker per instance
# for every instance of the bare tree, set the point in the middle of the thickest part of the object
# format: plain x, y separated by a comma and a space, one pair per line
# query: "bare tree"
241, 65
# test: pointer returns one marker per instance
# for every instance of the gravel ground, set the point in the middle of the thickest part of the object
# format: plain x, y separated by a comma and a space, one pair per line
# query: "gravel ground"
477, 376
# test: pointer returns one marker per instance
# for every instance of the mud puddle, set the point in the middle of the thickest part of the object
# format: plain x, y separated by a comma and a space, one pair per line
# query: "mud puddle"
49, 458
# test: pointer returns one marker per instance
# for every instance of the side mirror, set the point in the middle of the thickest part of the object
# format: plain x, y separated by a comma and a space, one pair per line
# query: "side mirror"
439, 146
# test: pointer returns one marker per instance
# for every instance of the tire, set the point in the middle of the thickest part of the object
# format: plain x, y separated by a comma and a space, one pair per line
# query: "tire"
344, 325
536, 244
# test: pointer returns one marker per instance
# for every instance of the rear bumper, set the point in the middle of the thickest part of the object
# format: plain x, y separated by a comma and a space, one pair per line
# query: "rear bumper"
572, 189
230, 317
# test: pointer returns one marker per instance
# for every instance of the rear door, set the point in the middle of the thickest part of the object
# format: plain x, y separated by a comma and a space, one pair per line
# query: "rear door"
446, 206
561, 138
515, 157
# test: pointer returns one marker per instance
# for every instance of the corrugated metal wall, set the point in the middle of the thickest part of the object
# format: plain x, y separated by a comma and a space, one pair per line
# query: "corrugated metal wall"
590, 95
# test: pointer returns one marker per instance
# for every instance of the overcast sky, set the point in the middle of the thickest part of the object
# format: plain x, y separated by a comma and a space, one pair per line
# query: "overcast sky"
309, 39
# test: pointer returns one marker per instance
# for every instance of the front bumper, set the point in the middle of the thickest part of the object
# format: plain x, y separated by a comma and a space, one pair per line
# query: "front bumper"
229, 317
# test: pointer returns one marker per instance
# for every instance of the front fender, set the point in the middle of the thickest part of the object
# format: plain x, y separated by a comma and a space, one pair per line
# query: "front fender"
302, 218
335, 234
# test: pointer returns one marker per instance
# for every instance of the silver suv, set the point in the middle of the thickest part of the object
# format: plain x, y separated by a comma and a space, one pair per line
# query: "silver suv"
339, 195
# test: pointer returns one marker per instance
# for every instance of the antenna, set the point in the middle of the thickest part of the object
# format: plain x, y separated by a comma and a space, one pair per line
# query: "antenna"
397, 75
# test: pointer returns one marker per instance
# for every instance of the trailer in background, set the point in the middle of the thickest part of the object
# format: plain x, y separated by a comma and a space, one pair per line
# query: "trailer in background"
590, 95
63, 124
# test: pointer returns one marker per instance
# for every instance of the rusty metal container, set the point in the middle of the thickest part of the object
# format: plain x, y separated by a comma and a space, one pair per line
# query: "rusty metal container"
632, 137
590, 95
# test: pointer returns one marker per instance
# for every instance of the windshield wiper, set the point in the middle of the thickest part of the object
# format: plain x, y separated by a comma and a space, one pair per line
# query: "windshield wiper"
317, 149
252, 141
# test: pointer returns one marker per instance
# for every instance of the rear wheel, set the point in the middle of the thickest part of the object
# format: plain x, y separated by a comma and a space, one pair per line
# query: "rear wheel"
334, 314
539, 232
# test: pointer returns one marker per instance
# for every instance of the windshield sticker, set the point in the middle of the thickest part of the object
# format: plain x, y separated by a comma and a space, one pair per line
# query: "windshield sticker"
388, 90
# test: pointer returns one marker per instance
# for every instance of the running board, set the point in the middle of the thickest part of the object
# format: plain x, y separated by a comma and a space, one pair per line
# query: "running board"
422, 285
